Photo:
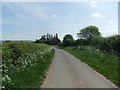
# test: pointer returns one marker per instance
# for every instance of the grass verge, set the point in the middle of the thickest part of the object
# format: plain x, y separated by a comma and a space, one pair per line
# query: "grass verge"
103, 63
27, 70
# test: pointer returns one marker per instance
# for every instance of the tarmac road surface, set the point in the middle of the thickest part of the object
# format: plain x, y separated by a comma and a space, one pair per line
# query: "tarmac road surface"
66, 71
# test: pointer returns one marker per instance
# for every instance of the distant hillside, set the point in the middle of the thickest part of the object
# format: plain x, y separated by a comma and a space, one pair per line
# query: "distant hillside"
17, 40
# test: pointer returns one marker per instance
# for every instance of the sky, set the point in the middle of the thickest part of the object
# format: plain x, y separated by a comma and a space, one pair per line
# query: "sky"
30, 20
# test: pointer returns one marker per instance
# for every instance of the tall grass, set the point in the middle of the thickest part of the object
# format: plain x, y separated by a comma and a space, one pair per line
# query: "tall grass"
24, 64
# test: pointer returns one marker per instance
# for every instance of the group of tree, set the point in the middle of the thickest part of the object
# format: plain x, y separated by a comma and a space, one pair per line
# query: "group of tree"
85, 37
91, 36
49, 39
88, 36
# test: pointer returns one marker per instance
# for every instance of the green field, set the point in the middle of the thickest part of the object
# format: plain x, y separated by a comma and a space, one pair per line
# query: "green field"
24, 64
105, 64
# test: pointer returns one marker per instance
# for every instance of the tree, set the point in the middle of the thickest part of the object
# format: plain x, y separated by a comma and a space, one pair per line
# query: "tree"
68, 37
43, 37
49, 39
56, 35
67, 40
89, 32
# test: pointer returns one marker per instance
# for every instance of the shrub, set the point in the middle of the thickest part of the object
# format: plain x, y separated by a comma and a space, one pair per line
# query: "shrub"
111, 44
96, 41
60, 44
80, 42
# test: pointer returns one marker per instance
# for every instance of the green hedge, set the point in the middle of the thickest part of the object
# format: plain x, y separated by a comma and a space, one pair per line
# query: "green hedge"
111, 44
24, 64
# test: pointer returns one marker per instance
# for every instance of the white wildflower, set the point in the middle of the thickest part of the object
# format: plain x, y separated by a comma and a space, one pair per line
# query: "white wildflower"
8, 78
3, 86
3, 79
26, 63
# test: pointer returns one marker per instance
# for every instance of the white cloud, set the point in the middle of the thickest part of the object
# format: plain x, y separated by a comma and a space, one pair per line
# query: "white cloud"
93, 4
54, 16
27, 11
20, 16
110, 22
12, 8
98, 15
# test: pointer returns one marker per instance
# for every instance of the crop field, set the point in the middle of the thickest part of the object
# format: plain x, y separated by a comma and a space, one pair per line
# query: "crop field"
24, 64
105, 64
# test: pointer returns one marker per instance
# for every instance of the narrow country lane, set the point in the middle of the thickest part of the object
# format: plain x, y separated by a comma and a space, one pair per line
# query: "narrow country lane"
67, 71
